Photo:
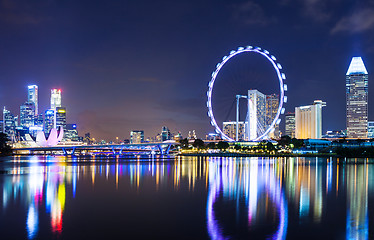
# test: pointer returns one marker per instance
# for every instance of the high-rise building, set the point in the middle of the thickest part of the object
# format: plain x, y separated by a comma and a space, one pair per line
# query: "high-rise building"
137, 136
61, 117
229, 129
49, 121
71, 132
32, 96
55, 98
10, 122
256, 115
165, 134
357, 99
308, 121
272, 105
27, 114
290, 125
371, 129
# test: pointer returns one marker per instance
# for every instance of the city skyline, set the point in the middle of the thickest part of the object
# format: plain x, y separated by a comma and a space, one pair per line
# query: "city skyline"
115, 79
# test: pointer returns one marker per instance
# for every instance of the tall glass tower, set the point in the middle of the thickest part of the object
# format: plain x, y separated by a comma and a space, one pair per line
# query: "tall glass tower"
55, 98
32, 96
357, 99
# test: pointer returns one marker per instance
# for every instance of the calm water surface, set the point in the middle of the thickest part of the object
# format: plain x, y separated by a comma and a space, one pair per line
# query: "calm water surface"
185, 198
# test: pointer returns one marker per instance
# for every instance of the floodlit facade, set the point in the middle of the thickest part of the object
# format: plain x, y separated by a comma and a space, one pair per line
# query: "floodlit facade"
272, 105
229, 129
256, 115
32, 96
290, 125
137, 136
308, 121
357, 99
55, 98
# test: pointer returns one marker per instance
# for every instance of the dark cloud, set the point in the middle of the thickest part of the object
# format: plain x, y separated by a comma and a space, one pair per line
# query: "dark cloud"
251, 13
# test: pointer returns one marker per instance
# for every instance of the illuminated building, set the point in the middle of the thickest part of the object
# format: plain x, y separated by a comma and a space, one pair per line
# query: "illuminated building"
61, 117
371, 129
32, 96
256, 115
272, 104
27, 114
165, 134
290, 125
192, 134
357, 99
308, 120
71, 132
55, 98
10, 122
137, 136
229, 129
49, 120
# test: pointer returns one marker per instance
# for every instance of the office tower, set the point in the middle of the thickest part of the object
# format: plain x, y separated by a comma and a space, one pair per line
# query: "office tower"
49, 121
357, 99
27, 114
10, 122
61, 117
371, 129
71, 132
165, 134
137, 136
308, 120
32, 96
256, 115
55, 98
272, 104
290, 125
229, 129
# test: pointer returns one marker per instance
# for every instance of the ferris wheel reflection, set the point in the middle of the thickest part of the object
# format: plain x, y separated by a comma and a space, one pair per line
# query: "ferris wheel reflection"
247, 179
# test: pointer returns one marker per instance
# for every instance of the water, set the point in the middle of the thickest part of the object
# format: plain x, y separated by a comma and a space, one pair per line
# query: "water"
185, 198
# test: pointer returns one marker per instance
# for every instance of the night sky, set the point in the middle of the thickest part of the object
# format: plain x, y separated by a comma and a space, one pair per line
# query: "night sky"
126, 65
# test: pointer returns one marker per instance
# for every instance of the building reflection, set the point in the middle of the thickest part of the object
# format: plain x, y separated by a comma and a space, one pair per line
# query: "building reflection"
269, 188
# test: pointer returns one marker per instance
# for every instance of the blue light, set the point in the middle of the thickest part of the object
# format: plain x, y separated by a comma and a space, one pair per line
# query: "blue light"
74, 126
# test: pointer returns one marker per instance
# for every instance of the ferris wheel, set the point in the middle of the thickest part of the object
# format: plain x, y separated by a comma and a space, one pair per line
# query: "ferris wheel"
254, 127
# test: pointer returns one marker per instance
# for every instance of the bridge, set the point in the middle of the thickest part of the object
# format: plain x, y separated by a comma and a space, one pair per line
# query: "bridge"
161, 148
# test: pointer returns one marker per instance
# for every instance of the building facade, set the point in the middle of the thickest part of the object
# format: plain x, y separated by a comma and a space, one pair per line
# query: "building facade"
290, 125
49, 121
61, 117
55, 98
137, 136
27, 114
371, 129
308, 121
32, 96
272, 105
165, 134
229, 129
357, 99
256, 115
10, 123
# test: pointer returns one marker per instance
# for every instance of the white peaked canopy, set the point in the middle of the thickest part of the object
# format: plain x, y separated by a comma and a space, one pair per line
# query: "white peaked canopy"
357, 66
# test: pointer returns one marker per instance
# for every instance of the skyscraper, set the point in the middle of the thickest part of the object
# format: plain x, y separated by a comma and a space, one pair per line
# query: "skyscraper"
272, 104
61, 117
32, 96
357, 99
256, 114
229, 129
27, 114
49, 121
137, 136
165, 134
290, 125
55, 98
9, 123
308, 120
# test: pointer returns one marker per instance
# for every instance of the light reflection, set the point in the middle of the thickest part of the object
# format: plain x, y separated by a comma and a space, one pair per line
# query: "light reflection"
267, 186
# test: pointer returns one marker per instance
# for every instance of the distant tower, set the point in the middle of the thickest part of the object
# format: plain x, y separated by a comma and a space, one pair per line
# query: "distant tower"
308, 121
165, 134
272, 104
55, 98
290, 125
357, 99
32, 96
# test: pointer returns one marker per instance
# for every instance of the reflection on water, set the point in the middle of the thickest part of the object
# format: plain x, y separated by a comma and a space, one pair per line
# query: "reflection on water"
262, 197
